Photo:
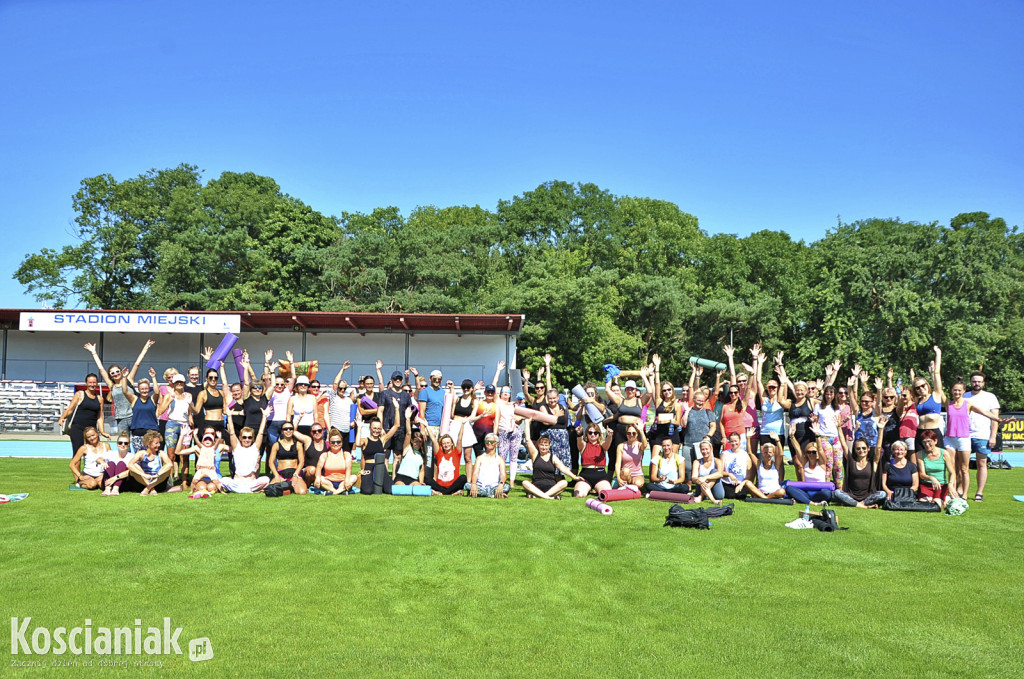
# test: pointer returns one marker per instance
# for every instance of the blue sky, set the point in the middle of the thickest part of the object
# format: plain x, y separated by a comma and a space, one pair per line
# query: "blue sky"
749, 115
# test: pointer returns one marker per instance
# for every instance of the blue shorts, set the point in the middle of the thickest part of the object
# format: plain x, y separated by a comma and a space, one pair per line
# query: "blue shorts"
980, 447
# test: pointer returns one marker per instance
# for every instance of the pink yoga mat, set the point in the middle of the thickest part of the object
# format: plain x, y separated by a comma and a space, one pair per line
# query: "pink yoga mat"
536, 415
624, 493
665, 496
599, 507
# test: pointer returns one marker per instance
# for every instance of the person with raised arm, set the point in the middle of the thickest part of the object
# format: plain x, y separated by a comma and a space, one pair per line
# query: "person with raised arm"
668, 414
509, 429
799, 408
545, 482
208, 409
245, 450
143, 408
593, 449
861, 480
116, 379
410, 467
769, 473
489, 471
374, 447
629, 404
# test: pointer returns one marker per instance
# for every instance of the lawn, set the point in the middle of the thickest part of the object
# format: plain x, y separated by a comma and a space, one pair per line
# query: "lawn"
454, 586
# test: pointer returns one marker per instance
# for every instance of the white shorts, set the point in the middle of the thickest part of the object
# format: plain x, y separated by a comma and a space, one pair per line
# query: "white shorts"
957, 443
910, 443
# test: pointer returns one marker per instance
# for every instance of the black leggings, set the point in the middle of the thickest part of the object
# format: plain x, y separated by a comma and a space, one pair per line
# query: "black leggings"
77, 435
456, 486
366, 477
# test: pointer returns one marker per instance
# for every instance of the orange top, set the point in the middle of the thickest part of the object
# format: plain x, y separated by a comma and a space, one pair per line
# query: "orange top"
337, 466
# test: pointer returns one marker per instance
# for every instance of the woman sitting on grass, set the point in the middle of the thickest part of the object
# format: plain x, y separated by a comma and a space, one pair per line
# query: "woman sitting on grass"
151, 466
90, 460
334, 468
208, 451
668, 468
245, 450
707, 474
936, 471
860, 482
286, 458
489, 471
593, 461
769, 471
545, 482
736, 466
629, 457
901, 473
447, 467
410, 467
814, 470
116, 470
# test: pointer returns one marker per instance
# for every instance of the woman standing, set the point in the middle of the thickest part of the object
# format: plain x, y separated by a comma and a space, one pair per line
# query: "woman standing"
463, 419
668, 413
85, 411
116, 379
301, 408
211, 401
827, 413
800, 408
143, 409
929, 402
958, 435
510, 433
629, 405
178, 406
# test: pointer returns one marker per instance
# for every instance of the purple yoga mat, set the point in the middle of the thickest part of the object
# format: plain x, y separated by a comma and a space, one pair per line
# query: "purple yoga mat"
222, 351
811, 485
665, 496
237, 355
624, 493
598, 506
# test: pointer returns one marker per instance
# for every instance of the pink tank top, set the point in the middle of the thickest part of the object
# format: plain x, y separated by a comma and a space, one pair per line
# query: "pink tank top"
958, 421
632, 459
908, 425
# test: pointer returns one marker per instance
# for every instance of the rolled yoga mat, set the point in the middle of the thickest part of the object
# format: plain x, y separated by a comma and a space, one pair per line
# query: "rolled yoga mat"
307, 368
707, 363
414, 491
811, 485
536, 415
446, 411
598, 506
222, 351
666, 496
624, 493
593, 412
239, 366
770, 501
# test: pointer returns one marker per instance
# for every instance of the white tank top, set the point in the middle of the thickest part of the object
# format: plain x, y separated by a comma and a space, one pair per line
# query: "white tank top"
91, 466
816, 474
767, 479
178, 410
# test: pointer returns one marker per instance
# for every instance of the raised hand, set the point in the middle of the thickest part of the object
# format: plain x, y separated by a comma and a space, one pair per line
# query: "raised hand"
698, 370
755, 351
501, 365
288, 355
728, 350
150, 342
346, 365
778, 357
938, 352
836, 365
656, 360
547, 361
889, 373
856, 370
268, 355
829, 370
152, 374
90, 347
878, 384
207, 353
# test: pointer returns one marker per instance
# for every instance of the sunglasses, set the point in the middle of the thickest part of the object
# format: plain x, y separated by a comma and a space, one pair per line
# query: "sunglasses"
257, 386
115, 374
122, 443
335, 443
842, 393
489, 441
318, 430
592, 433
247, 438
287, 428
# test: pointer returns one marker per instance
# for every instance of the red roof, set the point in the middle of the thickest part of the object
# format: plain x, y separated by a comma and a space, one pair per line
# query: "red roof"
314, 321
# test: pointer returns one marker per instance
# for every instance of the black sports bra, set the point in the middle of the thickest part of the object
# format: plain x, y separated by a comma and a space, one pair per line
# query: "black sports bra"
460, 411
287, 453
628, 410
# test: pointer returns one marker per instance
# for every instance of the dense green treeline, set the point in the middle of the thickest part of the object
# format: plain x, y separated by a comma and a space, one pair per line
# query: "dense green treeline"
601, 278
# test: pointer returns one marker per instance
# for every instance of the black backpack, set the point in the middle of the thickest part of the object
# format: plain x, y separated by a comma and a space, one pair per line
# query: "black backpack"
827, 523
695, 518
278, 489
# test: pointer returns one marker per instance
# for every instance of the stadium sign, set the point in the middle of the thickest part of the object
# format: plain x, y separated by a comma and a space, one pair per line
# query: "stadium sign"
121, 321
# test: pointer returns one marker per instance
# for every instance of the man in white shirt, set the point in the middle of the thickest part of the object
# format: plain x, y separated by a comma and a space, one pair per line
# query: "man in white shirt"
983, 430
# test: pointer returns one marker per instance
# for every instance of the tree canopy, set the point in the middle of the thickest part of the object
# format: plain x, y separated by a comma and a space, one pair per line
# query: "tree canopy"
601, 278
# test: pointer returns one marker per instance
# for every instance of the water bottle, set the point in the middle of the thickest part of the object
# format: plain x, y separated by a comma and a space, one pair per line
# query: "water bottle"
807, 513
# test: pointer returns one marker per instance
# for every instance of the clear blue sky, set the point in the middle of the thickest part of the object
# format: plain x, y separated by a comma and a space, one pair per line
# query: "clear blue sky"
749, 115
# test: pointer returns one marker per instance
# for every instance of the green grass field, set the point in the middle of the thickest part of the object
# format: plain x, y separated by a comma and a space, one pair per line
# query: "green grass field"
403, 586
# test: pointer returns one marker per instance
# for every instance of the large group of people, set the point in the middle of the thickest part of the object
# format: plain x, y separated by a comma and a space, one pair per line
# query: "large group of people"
849, 443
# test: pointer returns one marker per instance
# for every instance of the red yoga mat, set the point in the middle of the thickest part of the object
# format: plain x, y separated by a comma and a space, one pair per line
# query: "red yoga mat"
619, 494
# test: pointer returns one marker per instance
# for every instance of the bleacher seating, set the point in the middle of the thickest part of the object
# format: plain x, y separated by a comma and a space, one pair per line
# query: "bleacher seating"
32, 406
